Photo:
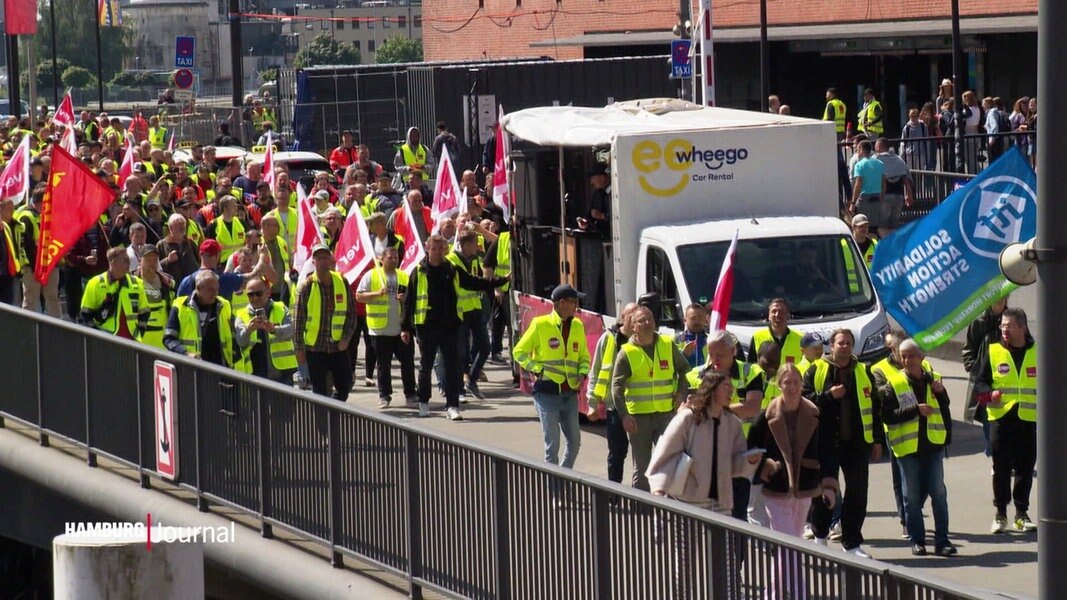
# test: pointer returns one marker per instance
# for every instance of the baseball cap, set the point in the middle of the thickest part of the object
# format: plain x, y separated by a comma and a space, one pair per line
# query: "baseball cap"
860, 219
210, 247
322, 195
946, 81
563, 292
811, 339
183, 204
319, 248
149, 249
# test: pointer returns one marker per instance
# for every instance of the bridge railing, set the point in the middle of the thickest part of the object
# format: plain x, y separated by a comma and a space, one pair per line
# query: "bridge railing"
446, 514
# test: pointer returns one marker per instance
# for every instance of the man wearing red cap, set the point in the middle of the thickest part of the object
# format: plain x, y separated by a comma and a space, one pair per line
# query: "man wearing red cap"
228, 282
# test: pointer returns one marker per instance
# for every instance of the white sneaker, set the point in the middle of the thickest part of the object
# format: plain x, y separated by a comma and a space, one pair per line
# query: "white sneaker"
384, 401
835, 532
454, 414
808, 533
858, 552
424, 409
821, 542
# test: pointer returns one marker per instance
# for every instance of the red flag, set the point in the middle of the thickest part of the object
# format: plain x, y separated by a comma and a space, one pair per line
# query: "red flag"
446, 194
355, 251
15, 180
724, 290
72, 203
21, 17
268, 163
501, 190
126, 168
307, 232
413, 248
65, 113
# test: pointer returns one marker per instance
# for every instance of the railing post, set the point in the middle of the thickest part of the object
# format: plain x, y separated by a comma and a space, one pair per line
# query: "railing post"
333, 447
265, 481
718, 563
142, 476
90, 455
503, 528
414, 514
851, 583
201, 502
42, 437
602, 551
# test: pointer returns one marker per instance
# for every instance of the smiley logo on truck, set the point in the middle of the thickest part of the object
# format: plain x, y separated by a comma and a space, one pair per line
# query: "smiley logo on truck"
649, 158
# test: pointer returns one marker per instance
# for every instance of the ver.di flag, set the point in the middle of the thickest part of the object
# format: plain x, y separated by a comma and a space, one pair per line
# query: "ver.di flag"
267, 169
65, 113
501, 188
724, 289
308, 233
15, 180
73, 201
126, 168
355, 251
936, 275
446, 192
414, 251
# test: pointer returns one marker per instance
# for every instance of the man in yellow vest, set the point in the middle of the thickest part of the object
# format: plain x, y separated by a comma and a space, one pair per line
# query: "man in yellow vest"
413, 156
861, 232
497, 262
835, 112
228, 231
382, 290
598, 390
647, 382
869, 119
325, 321
850, 420
919, 428
114, 301
474, 344
554, 350
201, 326
265, 334
1008, 379
28, 217
10, 263
778, 331
432, 313
157, 134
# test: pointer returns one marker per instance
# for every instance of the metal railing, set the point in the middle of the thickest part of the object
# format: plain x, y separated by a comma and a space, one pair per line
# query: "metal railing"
445, 514
939, 153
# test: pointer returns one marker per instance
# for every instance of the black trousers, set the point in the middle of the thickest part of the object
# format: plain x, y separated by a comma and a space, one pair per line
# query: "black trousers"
431, 341
499, 320
72, 285
1014, 444
742, 494
369, 357
853, 459
7, 289
618, 446
322, 364
385, 347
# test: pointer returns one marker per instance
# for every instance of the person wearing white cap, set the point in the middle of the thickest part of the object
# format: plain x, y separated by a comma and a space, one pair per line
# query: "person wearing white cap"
861, 233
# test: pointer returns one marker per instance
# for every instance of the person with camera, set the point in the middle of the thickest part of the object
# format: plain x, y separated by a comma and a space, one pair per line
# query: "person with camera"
114, 301
382, 289
201, 325
265, 334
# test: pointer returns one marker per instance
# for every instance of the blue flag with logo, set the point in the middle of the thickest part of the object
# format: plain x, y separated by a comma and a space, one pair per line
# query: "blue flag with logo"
938, 274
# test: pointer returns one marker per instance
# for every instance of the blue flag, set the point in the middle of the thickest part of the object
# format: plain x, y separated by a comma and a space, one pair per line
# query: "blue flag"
938, 274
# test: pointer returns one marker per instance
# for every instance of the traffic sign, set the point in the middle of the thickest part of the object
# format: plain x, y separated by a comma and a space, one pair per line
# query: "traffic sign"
183, 79
184, 50
681, 63
183, 95
165, 381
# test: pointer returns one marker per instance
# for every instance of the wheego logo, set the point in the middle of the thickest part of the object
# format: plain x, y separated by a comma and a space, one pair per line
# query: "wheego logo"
679, 156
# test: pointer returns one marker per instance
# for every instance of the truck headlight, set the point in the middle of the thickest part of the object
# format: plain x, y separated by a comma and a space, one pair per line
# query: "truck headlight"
875, 341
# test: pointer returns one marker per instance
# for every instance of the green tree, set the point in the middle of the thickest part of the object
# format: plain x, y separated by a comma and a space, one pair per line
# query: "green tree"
44, 74
399, 50
78, 77
133, 79
324, 50
76, 37
268, 75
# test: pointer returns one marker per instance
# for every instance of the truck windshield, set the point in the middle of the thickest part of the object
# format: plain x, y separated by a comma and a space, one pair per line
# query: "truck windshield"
820, 276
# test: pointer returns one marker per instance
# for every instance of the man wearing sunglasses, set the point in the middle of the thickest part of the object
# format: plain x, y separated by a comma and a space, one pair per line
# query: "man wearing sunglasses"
265, 334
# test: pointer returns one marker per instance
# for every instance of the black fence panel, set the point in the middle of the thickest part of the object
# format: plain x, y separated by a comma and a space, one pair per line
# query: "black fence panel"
18, 354
62, 380
113, 396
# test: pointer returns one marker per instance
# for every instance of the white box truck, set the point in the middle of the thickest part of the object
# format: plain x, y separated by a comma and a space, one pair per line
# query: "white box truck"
684, 178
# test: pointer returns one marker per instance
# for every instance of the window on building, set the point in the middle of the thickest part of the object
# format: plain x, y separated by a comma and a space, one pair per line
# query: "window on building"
402, 22
417, 22
340, 25
370, 45
370, 23
385, 22
324, 24
355, 23
357, 45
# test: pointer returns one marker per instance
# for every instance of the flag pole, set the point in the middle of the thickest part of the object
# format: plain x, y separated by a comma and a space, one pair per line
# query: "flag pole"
99, 61
55, 66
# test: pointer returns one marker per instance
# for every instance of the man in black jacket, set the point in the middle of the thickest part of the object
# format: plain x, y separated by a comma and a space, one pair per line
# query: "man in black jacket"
983, 331
851, 434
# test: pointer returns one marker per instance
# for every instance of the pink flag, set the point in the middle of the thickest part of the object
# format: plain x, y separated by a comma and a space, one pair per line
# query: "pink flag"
446, 193
15, 180
268, 163
69, 142
724, 290
170, 144
307, 233
414, 251
355, 251
501, 189
65, 113
126, 169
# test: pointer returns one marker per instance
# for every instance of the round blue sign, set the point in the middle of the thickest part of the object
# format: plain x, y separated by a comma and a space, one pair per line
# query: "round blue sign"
183, 79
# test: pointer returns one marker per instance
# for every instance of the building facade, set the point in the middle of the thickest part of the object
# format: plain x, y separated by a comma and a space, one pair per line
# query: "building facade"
366, 27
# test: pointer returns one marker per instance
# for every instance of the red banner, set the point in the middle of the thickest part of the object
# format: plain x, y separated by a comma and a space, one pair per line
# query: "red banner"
20, 17
73, 202
414, 251
354, 251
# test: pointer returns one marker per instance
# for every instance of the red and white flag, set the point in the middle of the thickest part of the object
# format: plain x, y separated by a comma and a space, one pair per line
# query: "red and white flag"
307, 233
414, 251
355, 251
65, 112
501, 187
446, 194
15, 180
170, 144
268, 162
126, 169
724, 289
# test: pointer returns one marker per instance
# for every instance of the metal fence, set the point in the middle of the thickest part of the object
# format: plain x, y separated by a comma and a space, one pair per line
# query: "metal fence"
444, 514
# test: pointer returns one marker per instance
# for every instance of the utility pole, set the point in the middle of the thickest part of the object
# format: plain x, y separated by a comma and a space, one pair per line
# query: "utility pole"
707, 54
1051, 290
684, 31
764, 57
959, 80
236, 47
55, 67
13, 75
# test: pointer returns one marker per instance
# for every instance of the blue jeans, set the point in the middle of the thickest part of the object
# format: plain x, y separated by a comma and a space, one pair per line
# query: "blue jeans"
559, 412
919, 473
